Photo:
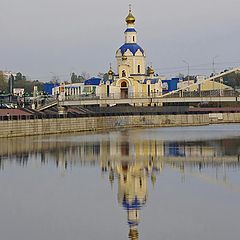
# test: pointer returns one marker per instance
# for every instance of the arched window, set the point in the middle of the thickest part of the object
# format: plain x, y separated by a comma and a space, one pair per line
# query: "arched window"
123, 73
123, 84
133, 39
139, 68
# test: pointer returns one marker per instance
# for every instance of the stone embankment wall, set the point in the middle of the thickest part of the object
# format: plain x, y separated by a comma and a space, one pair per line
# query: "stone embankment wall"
16, 128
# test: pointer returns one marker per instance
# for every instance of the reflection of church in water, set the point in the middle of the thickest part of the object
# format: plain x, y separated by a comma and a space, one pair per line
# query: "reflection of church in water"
128, 158
132, 177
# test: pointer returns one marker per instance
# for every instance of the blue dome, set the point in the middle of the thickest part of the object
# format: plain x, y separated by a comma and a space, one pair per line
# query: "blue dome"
133, 47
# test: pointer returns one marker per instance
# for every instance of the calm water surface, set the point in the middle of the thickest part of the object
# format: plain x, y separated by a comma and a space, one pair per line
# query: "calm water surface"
168, 183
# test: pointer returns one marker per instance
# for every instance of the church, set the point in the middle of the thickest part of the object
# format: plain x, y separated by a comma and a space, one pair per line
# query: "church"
133, 78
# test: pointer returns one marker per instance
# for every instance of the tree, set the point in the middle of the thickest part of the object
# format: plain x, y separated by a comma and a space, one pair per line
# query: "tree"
85, 75
74, 78
103, 76
232, 79
55, 79
80, 78
3, 83
19, 77
180, 75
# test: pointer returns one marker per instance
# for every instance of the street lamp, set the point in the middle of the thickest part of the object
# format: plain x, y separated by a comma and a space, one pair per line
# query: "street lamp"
221, 83
213, 64
214, 72
188, 67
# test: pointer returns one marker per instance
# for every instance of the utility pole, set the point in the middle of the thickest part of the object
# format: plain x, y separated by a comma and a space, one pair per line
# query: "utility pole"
213, 68
213, 64
188, 69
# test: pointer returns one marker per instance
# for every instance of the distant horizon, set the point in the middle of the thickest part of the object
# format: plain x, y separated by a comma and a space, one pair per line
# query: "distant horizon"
76, 37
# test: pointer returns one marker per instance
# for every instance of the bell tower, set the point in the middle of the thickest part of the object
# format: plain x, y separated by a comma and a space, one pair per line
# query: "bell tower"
130, 33
130, 56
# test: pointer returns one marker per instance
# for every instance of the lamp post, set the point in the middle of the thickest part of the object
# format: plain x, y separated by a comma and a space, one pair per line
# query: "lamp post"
213, 68
188, 67
221, 82
213, 64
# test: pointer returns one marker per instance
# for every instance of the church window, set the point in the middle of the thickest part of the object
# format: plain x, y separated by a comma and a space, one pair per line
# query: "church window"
139, 68
149, 90
133, 39
123, 84
123, 73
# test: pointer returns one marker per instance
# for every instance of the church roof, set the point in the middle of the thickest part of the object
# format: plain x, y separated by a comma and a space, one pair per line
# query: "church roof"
133, 204
153, 81
93, 81
133, 47
130, 30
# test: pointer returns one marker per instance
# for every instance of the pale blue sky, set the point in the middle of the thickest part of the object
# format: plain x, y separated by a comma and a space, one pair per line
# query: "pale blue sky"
42, 38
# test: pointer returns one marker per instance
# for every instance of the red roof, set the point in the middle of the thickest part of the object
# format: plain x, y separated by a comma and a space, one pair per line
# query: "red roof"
13, 112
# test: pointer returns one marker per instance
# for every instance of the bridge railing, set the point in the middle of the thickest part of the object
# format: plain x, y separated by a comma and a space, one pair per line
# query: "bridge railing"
115, 96
143, 95
130, 95
81, 97
210, 93
46, 104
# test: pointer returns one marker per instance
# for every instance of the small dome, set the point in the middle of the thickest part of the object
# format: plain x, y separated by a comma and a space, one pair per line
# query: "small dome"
150, 71
133, 234
110, 72
130, 19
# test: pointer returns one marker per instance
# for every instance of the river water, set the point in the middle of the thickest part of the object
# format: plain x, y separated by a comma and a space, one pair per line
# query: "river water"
166, 183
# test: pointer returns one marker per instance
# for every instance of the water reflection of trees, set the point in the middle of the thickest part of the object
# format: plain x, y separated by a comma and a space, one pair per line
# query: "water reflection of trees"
199, 154
129, 162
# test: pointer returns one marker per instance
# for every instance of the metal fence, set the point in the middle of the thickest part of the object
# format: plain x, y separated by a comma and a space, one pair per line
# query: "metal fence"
210, 93
143, 95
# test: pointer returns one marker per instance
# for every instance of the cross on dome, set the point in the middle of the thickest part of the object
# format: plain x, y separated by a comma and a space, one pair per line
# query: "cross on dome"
130, 19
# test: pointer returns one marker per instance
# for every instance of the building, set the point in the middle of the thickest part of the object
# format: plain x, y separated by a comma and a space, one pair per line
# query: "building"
89, 87
18, 92
133, 78
8, 74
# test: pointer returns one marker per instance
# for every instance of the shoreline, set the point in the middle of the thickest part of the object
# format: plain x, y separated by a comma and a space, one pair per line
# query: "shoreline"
34, 127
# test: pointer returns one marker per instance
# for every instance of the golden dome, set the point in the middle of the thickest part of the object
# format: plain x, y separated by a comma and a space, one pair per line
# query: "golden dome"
133, 234
150, 70
110, 72
130, 19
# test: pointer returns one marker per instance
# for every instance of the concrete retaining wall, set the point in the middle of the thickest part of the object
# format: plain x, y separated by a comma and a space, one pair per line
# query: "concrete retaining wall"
16, 128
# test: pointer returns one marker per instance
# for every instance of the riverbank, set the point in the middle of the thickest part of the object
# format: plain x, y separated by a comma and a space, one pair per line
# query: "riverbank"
19, 128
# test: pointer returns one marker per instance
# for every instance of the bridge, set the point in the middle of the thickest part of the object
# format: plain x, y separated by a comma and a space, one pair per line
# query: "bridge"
182, 95
151, 100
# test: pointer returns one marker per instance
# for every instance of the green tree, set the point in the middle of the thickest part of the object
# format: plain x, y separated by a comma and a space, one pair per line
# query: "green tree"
19, 76
3, 83
81, 79
74, 78
103, 76
233, 80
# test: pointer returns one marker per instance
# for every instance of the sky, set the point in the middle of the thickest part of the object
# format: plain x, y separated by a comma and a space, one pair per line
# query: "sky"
46, 38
